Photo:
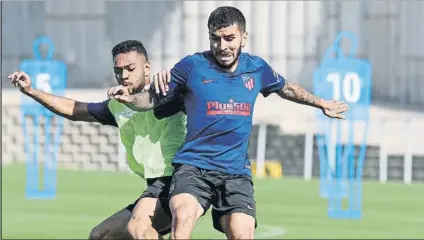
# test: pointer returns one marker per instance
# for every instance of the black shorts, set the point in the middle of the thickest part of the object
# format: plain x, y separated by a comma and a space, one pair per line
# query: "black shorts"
158, 188
228, 193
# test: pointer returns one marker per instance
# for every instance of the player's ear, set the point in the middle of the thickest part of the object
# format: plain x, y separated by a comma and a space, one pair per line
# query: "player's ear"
147, 69
244, 39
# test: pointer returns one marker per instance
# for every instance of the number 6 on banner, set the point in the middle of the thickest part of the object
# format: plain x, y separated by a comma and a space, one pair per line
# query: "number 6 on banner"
350, 86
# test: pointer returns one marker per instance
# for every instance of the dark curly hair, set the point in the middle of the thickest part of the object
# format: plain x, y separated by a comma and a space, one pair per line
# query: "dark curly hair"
129, 46
226, 16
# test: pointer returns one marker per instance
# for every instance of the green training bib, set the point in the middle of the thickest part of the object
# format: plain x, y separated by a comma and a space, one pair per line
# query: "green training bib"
150, 143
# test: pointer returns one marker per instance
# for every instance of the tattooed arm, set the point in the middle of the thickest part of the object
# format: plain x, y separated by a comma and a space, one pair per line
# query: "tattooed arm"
294, 92
272, 82
167, 90
143, 101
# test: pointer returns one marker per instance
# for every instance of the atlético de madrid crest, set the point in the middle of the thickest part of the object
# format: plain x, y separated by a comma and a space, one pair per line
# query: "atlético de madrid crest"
249, 82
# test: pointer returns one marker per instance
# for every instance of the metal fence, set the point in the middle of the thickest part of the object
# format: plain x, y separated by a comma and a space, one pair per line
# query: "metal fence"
291, 35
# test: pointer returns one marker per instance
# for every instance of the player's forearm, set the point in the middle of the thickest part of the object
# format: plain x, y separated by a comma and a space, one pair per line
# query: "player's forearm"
143, 101
294, 92
65, 107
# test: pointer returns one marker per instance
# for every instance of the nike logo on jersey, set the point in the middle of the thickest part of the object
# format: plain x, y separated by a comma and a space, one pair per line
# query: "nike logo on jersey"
205, 81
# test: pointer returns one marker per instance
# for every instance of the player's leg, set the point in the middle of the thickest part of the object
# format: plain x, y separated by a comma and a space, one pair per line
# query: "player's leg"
190, 198
235, 213
113, 227
238, 226
149, 220
151, 217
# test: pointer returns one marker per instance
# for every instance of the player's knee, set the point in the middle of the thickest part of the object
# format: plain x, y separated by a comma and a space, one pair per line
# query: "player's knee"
241, 227
96, 233
184, 210
132, 228
184, 217
138, 230
183, 223
241, 232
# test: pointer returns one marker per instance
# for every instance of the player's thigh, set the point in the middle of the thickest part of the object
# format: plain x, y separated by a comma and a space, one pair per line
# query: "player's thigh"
114, 226
150, 212
190, 194
186, 207
152, 209
235, 210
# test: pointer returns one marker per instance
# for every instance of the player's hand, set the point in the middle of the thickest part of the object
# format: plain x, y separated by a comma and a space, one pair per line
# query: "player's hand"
121, 94
125, 99
117, 91
161, 81
334, 109
21, 80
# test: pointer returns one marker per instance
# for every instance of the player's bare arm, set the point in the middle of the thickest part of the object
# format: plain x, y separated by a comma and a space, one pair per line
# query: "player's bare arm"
294, 92
65, 107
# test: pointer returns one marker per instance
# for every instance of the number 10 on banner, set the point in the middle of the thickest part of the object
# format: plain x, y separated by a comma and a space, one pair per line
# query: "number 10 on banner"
345, 85
349, 86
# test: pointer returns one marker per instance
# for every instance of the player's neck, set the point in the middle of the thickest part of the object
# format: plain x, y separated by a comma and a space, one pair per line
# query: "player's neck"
137, 90
143, 87
233, 68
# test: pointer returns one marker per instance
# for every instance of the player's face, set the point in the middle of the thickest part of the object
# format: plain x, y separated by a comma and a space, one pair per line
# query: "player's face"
131, 70
226, 44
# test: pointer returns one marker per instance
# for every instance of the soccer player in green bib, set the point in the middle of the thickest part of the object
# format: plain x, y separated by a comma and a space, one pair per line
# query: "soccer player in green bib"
150, 143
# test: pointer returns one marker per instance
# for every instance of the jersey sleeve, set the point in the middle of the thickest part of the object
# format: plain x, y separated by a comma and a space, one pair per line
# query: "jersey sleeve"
170, 108
179, 76
100, 111
271, 81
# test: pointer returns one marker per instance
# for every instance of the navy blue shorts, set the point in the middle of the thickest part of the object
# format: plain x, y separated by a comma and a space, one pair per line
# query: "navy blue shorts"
227, 193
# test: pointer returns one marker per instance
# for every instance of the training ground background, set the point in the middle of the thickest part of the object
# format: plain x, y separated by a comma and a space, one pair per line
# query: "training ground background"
293, 37
286, 208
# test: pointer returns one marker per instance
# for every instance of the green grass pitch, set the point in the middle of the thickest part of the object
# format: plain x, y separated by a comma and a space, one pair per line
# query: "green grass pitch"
287, 208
